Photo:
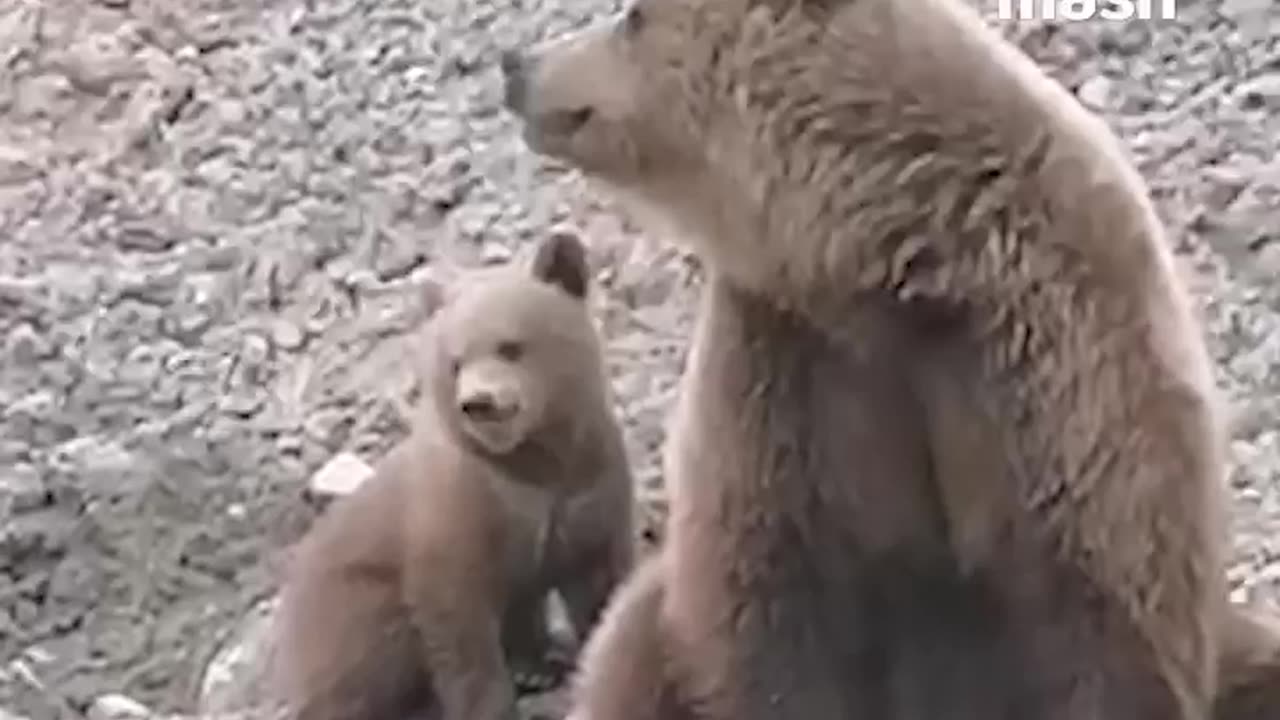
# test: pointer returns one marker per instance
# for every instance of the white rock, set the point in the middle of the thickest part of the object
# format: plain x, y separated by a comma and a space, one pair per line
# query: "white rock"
115, 706
235, 680
1096, 92
340, 476
495, 253
21, 488
1240, 595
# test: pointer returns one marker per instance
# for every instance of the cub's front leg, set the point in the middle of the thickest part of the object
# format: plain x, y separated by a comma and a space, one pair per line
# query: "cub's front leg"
468, 670
457, 615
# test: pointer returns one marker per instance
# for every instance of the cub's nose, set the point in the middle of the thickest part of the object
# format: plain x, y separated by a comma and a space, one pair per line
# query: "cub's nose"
484, 406
515, 80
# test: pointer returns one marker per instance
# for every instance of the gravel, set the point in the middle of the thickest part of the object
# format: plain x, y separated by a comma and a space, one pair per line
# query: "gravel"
216, 219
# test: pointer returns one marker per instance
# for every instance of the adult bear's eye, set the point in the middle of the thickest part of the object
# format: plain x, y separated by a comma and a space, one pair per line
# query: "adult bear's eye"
634, 20
510, 350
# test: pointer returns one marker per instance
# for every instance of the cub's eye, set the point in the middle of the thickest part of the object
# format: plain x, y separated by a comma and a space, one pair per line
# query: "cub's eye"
634, 20
510, 350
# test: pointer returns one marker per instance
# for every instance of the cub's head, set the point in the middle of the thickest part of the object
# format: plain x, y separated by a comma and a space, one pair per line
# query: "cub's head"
516, 358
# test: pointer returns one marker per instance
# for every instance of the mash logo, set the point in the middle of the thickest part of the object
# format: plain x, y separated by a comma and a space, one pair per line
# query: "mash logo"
1087, 9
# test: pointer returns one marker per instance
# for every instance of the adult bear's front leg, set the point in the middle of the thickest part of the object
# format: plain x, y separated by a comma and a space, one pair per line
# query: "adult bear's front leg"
625, 673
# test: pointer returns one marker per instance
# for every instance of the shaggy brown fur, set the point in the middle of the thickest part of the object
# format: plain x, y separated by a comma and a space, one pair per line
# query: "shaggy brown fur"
950, 445
1250, 671
627, 670
624, 663
418, 591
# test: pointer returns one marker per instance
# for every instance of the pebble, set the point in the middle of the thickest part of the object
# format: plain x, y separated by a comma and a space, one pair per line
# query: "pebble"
1096, 92
495, 253
340, 476
21, 489
297, 101
287, 335
115, 706
26, 346
1260, 93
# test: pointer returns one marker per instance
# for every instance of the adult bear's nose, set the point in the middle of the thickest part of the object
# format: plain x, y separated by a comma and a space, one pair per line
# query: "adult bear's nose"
515, 80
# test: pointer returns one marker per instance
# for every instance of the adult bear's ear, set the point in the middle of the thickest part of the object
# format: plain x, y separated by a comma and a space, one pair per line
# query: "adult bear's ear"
561, 260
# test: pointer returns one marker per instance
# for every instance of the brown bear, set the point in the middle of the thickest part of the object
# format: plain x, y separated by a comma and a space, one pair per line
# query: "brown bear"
423, 591
949, 445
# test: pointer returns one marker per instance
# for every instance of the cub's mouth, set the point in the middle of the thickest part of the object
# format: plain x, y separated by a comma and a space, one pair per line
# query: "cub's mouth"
547, 130
496, 435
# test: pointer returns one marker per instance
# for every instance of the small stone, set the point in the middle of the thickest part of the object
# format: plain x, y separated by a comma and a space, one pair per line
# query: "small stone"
115, 706
340, 476
328, 427
397, 260
254, 350
237, 676
287, 335
1240, 595
362, 280
289, 444
155, 286
144, 237
26, 346
1225, 182
17, 166
494, 253
1125, 39
242, 405
21, 488
1096, 92
1260, 93
104, 468
191, 323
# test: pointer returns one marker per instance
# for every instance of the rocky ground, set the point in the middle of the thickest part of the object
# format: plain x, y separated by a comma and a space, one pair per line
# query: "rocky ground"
214, 214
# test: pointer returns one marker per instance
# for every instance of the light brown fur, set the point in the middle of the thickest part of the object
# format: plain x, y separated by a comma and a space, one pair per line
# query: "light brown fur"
1249, 687
625, 663
419, 592
627, 671
949, 446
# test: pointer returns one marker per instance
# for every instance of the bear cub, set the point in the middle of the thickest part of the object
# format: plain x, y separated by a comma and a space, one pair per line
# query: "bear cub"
423, 593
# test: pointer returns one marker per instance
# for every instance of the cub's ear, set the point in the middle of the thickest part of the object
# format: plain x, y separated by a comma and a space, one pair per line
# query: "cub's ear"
561, 260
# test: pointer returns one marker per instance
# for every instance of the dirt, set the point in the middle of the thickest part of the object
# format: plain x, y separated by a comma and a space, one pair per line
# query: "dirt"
213, 218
